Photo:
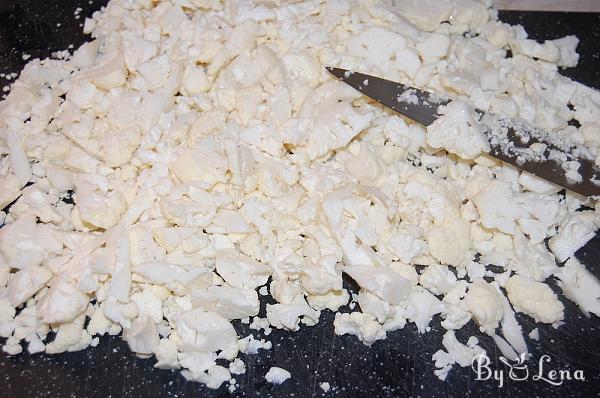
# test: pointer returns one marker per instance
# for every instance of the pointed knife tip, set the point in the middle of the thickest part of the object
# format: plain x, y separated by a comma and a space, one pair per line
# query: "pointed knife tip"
337, 72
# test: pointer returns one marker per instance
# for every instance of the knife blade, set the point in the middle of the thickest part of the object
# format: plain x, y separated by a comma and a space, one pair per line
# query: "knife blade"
422, 107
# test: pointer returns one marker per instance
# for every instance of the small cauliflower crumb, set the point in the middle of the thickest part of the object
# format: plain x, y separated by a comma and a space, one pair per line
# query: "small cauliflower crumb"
534, 334
277, 375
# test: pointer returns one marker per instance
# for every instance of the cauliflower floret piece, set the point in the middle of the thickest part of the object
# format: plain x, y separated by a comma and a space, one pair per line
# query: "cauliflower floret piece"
427, 14
7, 315
241, 271
485, 303
318, 280
25, 243
457, 353
83, 94
26, 282
437, 279
37, 203
163, 272
568, 51
454, 316
498, 33
98, 324
142, 337
61, 179
213, 377
120, 313
143, 248
337, 122
373, 305
332, 300
228, 222
166, 354
118, 147
497, 208
533, 261
110, 73
173, 20
385, 283
70, 337
243, 37
580, 286
120, 282
237, 367
535, 184
376, 45
434, 47
408, 61
420, 307
574, 233
366, 165
511, 330
287, 316
197, 363
12, 346
458, 131
363, 326
137, 50
155, 71
10, 189
535, 299
411, 137
561, 51
97, 206
277, 375
63, 302
249, 345
407, 246
148, 305
449, 244
204, 163
18, 159
206, 331
230, 303
195, 80
302, 65
85, 56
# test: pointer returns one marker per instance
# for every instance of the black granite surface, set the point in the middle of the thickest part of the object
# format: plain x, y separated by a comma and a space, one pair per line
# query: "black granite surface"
398, 366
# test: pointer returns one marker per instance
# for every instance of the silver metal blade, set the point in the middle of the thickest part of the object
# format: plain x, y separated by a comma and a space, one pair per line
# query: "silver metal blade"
418, 105
422, 107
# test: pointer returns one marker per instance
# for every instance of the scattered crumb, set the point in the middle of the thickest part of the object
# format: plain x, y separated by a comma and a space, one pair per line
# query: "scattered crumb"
277, 375
535, 334
325, 386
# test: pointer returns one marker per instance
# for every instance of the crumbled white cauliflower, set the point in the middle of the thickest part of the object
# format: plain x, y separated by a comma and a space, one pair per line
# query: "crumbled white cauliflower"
277, 375
458, 131
195, 151
287, 316
534, 299
457, 352
485, 304
363, 326
574, 232
580, 286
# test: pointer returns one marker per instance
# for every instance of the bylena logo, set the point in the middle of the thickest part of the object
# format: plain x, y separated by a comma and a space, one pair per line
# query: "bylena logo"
519, 370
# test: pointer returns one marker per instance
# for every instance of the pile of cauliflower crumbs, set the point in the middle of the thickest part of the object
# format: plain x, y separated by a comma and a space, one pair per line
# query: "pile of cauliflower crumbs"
209, 154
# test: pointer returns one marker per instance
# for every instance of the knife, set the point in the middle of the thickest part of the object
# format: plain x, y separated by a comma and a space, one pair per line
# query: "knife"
422, 107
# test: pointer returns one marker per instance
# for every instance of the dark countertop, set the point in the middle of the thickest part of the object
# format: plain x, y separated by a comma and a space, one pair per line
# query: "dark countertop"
401, 365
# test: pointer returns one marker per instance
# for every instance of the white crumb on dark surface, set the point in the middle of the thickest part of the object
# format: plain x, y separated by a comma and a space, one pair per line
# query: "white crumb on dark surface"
277, 375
